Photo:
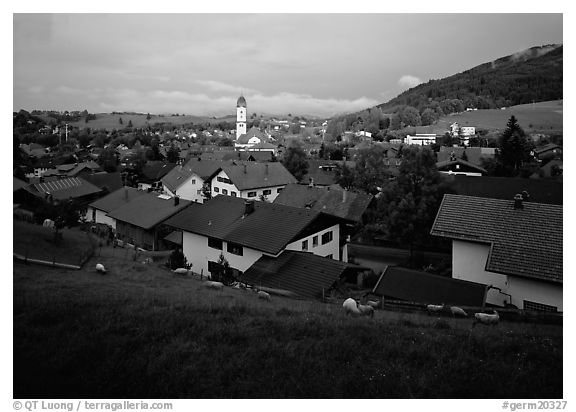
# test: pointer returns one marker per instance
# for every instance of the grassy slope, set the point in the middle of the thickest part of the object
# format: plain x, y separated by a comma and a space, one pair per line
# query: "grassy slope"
141, 332
543, 117
111, 121
37, 242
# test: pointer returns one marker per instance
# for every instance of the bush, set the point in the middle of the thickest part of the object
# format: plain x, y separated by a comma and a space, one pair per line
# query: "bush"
177, 260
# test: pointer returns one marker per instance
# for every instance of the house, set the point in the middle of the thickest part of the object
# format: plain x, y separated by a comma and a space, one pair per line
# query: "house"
251, 180
514, 246
139, 221
243, 231
152, 174
398, 283
295, 273
252, 139
323, 172
346, 205
108, 182
547, 152
474, 155
421, 139
74, 188
460, 167
187, 181
97, 211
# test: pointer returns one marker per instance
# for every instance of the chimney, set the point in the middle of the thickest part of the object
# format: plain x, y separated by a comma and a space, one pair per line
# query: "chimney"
248, 207
518, 201
125, 193
266, 167
344, 196
244, 169
176, 200
525, 195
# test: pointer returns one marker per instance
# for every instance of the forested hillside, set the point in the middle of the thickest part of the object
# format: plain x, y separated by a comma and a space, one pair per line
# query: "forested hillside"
532, 75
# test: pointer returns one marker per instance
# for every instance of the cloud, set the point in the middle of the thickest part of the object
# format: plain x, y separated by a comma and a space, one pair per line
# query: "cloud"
217, 86
408, 81
163, 101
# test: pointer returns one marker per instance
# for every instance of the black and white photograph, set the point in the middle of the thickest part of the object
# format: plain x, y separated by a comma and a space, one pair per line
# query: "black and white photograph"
269, 205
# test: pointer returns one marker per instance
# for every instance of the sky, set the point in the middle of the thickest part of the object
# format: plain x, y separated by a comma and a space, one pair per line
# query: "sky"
303, 64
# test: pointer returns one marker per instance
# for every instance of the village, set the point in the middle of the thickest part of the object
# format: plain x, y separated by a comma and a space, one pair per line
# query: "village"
249, 206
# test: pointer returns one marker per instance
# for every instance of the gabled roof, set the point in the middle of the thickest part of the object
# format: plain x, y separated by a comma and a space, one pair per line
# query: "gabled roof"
253, 175
541, 190
180, 174
72, 187
421, 287
148, 210
18, 184
450, 165
156, 170
91, 165
269, 228
343, 204
253, 132
109, 181
547, 147
301, 273
474, 154
117, 199
523, 242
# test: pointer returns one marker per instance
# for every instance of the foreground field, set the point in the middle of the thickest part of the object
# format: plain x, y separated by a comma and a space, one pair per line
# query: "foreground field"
142, 332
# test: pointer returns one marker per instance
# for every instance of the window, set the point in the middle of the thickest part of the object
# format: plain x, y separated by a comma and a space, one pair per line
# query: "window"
528, 305
224, 180
216, 190
234, 249
279, 190
251, 194
233, 194
199, 192
267, 192
326, 237
214, 243
224, 191
304, 245
193, 181
315, 241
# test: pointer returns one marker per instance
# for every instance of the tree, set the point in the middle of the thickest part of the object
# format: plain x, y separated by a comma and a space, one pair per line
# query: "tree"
296, 161
130, 123
172, 154
428, 117
407, 206
206, 191
120, 121
514, 148
148, 117
410, 116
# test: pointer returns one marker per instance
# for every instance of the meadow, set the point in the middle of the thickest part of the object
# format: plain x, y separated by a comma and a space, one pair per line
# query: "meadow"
110, 121
542, 117
140, 331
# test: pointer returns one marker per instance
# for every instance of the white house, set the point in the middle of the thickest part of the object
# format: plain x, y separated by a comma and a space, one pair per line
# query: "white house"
512, 245
186, 181
251, 180
254, 139
243, 231
421, 139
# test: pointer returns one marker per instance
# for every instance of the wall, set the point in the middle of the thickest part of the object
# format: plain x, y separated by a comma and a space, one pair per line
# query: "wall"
100, 217
242, 193
145, 239
330, 248
469, 262
197, 252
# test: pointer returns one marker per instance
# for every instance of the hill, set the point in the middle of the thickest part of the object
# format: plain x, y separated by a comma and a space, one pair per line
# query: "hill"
533, 75
142, 332
542, 117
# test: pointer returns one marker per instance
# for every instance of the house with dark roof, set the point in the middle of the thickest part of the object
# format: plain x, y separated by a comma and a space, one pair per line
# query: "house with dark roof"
251, 180
243, 231
187, 180
547, 152
349, 206
108, 182
460, 167
139, 221
64, 189
97, 211
474, 155
295, 273
255, 139
397, 283
152, 174
514, 246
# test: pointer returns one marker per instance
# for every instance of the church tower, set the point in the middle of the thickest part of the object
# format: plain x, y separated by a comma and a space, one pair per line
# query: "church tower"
240, 116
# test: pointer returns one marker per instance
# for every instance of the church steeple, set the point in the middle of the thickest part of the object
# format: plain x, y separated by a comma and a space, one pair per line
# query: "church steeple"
241, 113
